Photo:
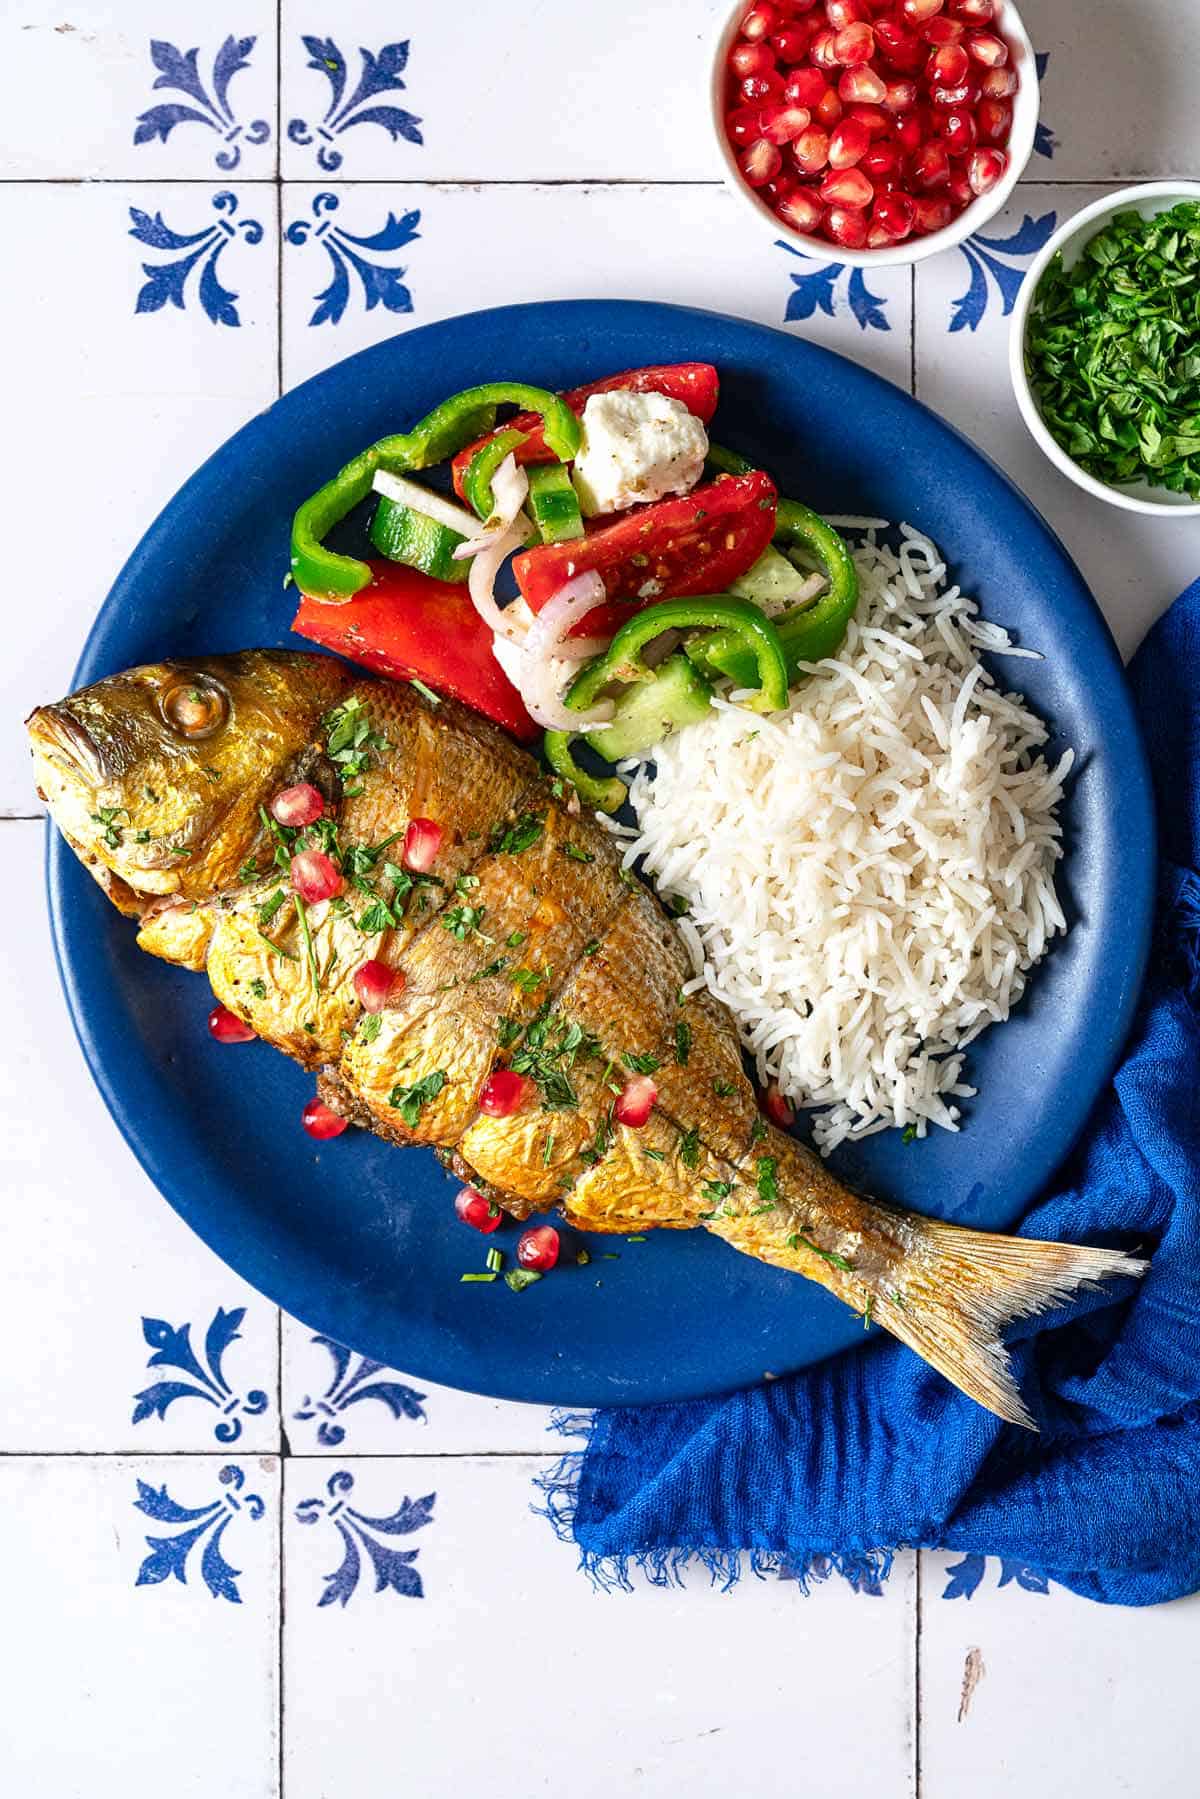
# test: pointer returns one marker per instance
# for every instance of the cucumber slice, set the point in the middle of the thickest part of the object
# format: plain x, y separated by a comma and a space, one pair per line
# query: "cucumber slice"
770, 582
419, 541
650, 711
553, 503
421, 499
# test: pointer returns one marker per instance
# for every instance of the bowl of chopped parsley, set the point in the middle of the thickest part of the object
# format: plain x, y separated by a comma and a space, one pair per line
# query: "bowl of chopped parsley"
1105, 348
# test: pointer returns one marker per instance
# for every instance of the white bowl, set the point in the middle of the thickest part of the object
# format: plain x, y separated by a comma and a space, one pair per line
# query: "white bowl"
1150, 198
912, 249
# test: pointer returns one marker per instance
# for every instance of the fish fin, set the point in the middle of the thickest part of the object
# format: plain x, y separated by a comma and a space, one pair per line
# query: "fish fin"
950, 1297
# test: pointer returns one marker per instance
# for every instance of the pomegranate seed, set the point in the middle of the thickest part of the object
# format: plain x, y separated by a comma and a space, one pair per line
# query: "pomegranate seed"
881, 163
989, 50
917, 11
375, 983
758, 89
841, 13
781, 189
901, 96
801, 6
802, 211
847, 225
805, 88
862, 83
538, 1248
760, 21
422, 841
959, 131
975, 12
877, 238
854, 43
903, 49
320, 1122
636, 1102
930, 165
994, 119
998, 84
874, 118
791, 44
811, 150
778, 1109
480, 1213
847, 187
941, 30
822, 51
933, 212
985, 169
909, 132
949, 66
227, 1027
848, 144
895, 212
950, 99
828, 109
503, 1093
760, 163
297, 806
783, 124
742, 126
960, 190
314, 877
751, 59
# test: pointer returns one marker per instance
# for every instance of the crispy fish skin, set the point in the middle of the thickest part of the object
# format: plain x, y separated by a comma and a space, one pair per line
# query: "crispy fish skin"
527, 945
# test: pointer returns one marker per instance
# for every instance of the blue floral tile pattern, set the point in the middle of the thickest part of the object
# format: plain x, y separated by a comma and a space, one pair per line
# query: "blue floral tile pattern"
1044, 141
382, 283
818, 288
173, 1349
965, 1576
393, 1567
168, 281
990, 255
179, 71
380, 74
170, 1555
349, 1387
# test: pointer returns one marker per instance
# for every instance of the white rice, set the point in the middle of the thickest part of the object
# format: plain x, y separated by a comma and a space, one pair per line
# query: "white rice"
870, 876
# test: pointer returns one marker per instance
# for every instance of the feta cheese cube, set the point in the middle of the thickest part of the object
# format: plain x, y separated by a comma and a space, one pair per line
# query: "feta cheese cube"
636, 447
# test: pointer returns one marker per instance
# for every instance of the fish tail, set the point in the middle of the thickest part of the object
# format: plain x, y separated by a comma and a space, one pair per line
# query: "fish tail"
953, 1293
946, 1291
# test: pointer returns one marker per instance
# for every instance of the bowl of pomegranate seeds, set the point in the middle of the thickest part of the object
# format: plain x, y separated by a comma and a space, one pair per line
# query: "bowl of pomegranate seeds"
878, 130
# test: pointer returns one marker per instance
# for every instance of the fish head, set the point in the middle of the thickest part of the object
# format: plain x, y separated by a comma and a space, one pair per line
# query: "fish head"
157, 776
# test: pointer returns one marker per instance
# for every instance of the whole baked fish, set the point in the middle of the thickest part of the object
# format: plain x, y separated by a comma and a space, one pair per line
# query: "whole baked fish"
524, 945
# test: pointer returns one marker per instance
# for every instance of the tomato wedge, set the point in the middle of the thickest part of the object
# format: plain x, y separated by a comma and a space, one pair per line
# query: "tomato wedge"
696, 544
695, 384
406, 625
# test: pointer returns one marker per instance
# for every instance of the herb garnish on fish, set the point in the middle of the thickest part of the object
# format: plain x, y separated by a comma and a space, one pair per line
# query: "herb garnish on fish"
410, 1100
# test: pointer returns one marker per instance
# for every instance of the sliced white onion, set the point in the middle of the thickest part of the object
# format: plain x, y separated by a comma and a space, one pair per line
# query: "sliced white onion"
540, 688
481, 583
561, 613
510, 485
431, 505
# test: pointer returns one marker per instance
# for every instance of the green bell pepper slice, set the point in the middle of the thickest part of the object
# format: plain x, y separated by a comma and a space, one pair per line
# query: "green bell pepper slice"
477, 479
623, 662
323, 574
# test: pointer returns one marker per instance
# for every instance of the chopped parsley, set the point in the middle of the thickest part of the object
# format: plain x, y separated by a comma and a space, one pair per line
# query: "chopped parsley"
107, 818
270, 907
462, 921
277, 949
758, 1131
768, 1186
909, 1134
601, 1143
683, 1041
521, 834
248, 871
376, 917
517, 1279
799, 1241
589, 949
466, 883
349, 739
141, 836
639, 1064
551, 1047
653, 1155
689, 1149
486, 973
258, 988
528, 980
575, 854
369, 1027
507, 1031
724, 1089
515, 939
716, 1189
409, 1101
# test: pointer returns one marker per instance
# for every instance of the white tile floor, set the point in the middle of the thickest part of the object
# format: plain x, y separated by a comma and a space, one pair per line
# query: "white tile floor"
134, 1368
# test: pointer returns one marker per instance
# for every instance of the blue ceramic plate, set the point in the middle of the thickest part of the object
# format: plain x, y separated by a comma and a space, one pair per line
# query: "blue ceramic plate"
360, 1240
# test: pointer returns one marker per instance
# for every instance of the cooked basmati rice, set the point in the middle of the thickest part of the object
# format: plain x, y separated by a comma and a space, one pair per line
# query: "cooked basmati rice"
870, 877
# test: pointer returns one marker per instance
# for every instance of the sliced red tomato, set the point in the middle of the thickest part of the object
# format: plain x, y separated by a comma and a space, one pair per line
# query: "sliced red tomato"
695, 384
696, 544
406, 624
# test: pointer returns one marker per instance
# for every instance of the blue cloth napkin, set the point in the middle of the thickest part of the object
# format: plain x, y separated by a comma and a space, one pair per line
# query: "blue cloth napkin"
831, 1469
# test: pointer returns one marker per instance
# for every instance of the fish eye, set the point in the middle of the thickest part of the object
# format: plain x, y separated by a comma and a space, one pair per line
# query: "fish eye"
195, 707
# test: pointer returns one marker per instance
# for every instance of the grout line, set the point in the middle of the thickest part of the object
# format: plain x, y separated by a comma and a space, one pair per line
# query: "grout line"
468, 181
912, 332
916, 1701
21, 818
223, 1452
